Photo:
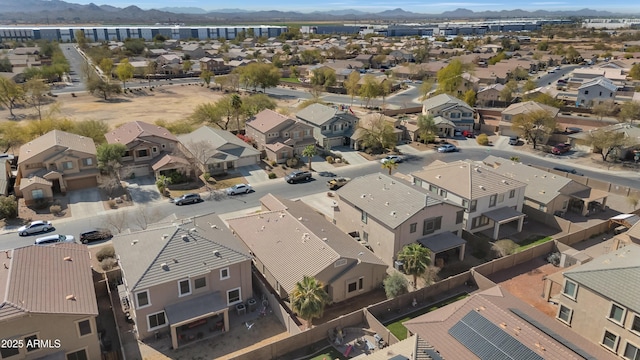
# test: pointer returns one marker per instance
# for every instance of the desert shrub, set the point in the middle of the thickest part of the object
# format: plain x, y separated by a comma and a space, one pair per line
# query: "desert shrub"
40, 204
330, 159
8, 207
55, 210
395, 284
483, 139
292, 162
112, 204
106, 252
505, 247
206, 176
108, 263
272, 175
274, 163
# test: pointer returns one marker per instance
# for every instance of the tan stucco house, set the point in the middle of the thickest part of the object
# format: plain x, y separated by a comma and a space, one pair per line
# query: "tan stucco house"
452, 109
376, 122
331, 126
55, 162
513, 110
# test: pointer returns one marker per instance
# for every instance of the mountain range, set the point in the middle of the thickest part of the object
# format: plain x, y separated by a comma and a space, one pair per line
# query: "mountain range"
62, 12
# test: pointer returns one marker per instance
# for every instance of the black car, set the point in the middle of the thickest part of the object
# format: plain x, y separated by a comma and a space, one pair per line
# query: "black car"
95, 235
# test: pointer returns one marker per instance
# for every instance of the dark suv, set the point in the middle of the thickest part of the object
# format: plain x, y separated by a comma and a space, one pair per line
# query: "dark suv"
297, 176
94, 235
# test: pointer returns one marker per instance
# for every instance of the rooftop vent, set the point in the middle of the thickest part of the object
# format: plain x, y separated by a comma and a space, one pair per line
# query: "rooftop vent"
164, 236
504, 181
363, 196
164, 266
481, 187
134, 242
393, 213
438, 176
71, 297
192, 230
214, 226
68, 258
185, 238
216, 253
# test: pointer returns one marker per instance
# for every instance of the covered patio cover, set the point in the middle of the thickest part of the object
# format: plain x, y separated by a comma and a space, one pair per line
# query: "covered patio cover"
502, 216
443, 242
199, 307
590, 195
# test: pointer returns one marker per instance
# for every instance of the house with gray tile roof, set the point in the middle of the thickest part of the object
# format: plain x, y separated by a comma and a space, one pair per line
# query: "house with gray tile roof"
450, 108
488, 198
217, 151
289, 240
47, 293
331, 126
595, 91
183, 276
388, 213
599, 300
513, 110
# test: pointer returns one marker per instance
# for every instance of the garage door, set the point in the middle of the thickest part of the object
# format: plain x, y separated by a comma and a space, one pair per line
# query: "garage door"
83, 183
137, 171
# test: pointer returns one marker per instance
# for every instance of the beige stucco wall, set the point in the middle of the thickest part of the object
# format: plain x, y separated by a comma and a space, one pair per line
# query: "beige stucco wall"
371, 274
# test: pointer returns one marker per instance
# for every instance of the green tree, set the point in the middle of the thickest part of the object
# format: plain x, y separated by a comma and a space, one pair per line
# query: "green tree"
324, 76
425, 88
8, 207
206, 76
529, 85
124, 70
106, 65
352, 85
10, 94
150, 70
12, 135
470, 97
35, 91
427, 129
607, 142
549, 100
81, 39
389, 165
5, 65
261, 75
187, 65
211, 114
236, 105
308, 299
450, 77
629, 111
310, 151
370, 89
635, 71
378, 134
505, 247
98, 87
253, 104
416, 258
534, 126
310, 56
110, 157
506, 94
605, 108
395, 285
94, 129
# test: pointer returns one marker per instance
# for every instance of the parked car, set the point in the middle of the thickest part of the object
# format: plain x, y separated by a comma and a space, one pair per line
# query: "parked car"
52, 239
297, 176
568, 170
551, 71
447, 148
457, 133
35, 227
395, 158
513, 140
468, 134
560, 149
187, 199
239, 189
94, 235
337, 183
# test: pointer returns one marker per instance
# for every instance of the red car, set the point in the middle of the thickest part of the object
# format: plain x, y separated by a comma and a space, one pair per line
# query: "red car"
560, 149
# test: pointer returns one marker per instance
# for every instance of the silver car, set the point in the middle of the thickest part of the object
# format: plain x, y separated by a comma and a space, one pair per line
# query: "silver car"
35, 227
239, 189
52, 239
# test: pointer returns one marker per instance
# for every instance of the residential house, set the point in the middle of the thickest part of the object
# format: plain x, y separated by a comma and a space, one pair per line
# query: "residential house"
47, 294
331, 127
522, 108
547, 192
193, 51
581, 140
388, 213
489, 199
401, 55
376, 122
598, 299
55, 162
597, 90
215, 65
366, 60
289, 240
494, 324
489, 95
451, 109
279, 136
151, 149
217, 151
183, 279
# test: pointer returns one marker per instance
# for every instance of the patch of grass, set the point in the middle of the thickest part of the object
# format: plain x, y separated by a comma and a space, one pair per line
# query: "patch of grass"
330, 353
532, 241
400, 332
228, 182
290, 80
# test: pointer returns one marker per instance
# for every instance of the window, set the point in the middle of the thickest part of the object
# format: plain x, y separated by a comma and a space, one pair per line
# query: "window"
465, 204
184, 287
479, 221
143, 153
154, 149
431, 225
87, 162
363, 216
84, 327
365, 236
234, 296
616, 314
564, 314
351, 287
156, 320
610, 340
37, 194
433, 189
443, 193
492, 200
78, 355
143, 299
474, 205
459, 216
413, 227
360, 283
570, 289
67, 165
500, 198
200, 283
126, 154
7, 352
586, 92
163, 146
635, 325
30, 343
224, 273
512, 193
417, 182
631, 352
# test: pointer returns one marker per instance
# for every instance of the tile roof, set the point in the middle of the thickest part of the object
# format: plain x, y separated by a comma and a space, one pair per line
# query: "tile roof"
467, 179
185, 252
443, 99
169, 159
224, 145
53, 279
33, 180
317, 114
297, 241
267, 119
602, 81
131, 131
503, 309
56, 138
615, 276
529, 106
389, 200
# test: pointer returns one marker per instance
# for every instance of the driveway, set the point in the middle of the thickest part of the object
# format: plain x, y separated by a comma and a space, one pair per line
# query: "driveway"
352, 156
143, 190
85, 203
253, 174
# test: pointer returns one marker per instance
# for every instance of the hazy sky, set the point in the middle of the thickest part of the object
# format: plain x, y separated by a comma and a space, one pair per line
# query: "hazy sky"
622, 6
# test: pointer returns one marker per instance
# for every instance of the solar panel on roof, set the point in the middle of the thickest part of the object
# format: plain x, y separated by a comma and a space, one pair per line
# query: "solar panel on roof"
488, 341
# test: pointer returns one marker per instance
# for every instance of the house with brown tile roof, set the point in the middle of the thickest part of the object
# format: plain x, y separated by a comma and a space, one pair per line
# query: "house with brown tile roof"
494, 324
388, 213
55, 162
183, 279
489, 199
289, 239
151, 150
279, 136
47, 293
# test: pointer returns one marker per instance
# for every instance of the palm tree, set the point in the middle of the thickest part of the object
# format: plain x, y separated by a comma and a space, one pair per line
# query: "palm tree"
416, 259
390, 165
236, 105
308, 299
309, 151
427, 128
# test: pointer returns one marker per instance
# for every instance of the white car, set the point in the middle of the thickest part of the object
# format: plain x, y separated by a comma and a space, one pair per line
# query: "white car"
395, 158
239, 189
35, 227
52, 239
